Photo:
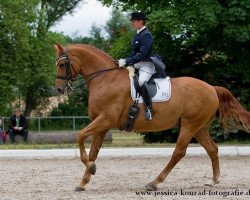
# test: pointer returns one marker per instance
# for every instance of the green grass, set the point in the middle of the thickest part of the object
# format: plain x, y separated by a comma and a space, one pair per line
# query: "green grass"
120, 139
37, 146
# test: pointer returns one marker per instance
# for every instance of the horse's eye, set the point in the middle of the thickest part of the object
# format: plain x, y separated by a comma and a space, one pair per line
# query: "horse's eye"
61, 65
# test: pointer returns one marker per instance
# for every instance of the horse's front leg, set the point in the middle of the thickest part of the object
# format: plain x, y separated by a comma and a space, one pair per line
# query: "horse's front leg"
98, 130
94, 150
96, 146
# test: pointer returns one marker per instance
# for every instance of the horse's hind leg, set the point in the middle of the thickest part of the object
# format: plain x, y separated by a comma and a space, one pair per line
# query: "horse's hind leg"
184, 138
206, 141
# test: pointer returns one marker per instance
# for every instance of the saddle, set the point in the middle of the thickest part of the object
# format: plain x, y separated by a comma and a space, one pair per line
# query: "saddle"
159, 88
159, 85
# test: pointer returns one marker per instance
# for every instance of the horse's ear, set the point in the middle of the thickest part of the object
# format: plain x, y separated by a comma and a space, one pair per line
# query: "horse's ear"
58, 47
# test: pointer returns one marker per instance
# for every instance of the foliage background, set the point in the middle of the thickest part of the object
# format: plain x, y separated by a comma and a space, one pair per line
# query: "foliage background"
206, 39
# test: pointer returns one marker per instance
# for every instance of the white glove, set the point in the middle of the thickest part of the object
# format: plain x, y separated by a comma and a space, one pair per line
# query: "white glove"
20, 128
121, 62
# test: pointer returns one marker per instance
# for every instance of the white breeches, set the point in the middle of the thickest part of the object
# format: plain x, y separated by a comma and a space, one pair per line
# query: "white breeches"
146, 70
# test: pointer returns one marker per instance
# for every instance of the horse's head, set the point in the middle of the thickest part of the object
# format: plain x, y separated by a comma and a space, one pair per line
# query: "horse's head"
66, 72
86, 60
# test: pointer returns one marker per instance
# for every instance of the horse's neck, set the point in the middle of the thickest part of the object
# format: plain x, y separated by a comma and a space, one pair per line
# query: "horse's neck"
93, 60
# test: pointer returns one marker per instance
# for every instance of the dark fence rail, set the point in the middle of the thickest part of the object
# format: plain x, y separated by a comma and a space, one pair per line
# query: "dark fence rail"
56, 129
55, 123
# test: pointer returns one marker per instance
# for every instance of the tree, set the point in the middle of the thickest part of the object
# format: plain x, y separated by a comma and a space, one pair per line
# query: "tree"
114, 38
98, 39
117, 25
75, 106
27, 66
14, 46
206, 39
200, 36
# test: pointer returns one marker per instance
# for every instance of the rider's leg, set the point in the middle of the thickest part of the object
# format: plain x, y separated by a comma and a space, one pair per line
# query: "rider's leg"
148, 101
146, 70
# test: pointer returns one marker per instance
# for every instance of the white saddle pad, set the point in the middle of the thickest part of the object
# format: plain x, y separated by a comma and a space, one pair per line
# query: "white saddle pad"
163, 90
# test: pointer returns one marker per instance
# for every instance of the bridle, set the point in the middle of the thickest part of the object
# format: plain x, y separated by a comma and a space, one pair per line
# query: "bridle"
68, 65
68, 74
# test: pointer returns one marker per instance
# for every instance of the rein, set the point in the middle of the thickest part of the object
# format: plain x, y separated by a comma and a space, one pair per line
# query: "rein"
68, 75
96, 74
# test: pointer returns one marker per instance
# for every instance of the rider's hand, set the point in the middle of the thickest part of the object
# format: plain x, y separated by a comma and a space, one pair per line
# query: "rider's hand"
121, 62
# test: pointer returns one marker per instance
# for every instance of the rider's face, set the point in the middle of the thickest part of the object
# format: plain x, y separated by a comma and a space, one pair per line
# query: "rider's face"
137, 24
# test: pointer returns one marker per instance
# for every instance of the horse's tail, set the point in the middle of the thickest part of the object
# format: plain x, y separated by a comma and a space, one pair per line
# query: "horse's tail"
232, 114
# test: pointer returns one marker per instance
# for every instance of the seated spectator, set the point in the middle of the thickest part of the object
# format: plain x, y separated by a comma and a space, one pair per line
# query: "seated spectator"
18, 125
1, 130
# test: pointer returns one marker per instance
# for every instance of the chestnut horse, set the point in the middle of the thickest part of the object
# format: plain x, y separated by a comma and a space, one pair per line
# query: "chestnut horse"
192, 107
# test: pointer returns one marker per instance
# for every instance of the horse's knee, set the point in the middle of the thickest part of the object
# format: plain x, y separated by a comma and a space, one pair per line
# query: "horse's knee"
80, 138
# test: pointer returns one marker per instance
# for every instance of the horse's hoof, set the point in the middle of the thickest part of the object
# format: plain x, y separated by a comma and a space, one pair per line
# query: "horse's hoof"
79, 189
92, 168
151, 187
212, 183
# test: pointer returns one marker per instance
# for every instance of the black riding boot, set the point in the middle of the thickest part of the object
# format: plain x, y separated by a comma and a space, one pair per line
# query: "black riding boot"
147, 100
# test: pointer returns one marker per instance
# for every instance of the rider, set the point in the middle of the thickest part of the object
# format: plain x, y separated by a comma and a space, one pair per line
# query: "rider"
140, 58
